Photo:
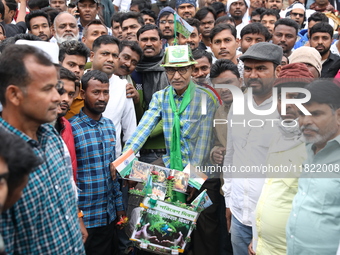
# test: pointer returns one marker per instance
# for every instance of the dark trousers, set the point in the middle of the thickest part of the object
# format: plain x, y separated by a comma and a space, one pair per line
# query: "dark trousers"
99, 240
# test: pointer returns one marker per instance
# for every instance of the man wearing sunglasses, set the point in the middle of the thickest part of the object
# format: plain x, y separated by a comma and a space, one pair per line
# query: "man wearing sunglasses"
298, 14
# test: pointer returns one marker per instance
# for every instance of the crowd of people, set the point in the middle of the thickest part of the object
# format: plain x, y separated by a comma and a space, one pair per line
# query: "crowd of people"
251, 86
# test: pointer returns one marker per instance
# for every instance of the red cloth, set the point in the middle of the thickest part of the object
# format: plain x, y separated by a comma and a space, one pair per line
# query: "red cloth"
315, 7
67, 136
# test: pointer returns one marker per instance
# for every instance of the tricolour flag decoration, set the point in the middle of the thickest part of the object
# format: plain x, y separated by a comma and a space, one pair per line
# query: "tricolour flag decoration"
123, 164
182, 27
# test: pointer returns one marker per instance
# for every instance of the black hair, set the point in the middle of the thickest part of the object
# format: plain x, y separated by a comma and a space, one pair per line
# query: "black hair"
256, 28
148, 27
11, 40
163, 14
19, 157
32, 4
73, 48
35, 14
51, 12
221, 27
93, 75
133, 45
318, 17
149, 12
13, 69
199, 53
321, 27
104, 39
224, 19
194, 23
218, 7
12, 5
222, 65
271, 12
258, 11
2, 10
92, 22
132, 15
66, 74
204, 11
323, 92
116, 17
287, 22
142, 4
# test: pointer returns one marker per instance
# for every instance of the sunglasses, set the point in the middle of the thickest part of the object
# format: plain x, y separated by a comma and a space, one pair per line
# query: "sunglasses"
297, 14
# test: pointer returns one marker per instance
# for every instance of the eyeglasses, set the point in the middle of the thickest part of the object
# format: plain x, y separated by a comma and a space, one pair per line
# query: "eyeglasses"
181, 70
297, 14
166, 21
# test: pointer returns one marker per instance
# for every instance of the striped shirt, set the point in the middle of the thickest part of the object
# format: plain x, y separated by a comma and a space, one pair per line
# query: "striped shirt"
99, 195
44, 220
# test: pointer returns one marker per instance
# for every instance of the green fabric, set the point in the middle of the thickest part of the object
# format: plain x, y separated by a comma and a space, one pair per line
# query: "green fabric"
175, 148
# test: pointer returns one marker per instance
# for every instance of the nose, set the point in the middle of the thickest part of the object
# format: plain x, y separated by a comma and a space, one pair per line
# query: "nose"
177, 75
56, 98
101, 97
200, 73
148, 43
253, 73
223, 44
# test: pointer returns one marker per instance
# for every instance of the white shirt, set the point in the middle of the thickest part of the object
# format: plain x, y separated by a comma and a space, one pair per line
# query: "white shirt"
247, 146
121, 111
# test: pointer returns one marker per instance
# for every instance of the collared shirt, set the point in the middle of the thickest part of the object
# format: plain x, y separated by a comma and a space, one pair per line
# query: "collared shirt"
247, 147
314, 223
99, 195
196, 128
121, 111
328, 68
44, 220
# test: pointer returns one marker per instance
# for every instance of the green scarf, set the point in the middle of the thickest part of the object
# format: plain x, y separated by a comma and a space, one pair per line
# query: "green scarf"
175, 147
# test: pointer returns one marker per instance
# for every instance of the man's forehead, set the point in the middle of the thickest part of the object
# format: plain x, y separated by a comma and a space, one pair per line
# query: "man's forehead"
252, 35
66, 18
97, 27
255, 62
130, 21
79, 59
284, 28
167, 17
128, 51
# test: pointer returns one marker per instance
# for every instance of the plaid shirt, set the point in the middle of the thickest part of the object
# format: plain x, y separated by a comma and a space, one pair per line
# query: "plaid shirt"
99, 195
44, 220
196, 129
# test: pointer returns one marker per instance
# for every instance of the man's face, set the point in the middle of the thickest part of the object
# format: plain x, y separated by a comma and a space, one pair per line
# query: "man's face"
256, 18
76, 64
93, 32
297, 15
291, 109
269, 22
67, 97
117, 30
40, 99
40, 27
8, 14
180, 79
259, 75
229, 78
129, 29
250, 39
105, 58
166, 25
238, 9
193, 41
321, 42
274, 4
127, 61
207, 24
202, 68
96, 96
224, 45
150, 43
59, 4
87, 10
66, 28
3, 182
285, 37
321, 126
186, 11
134, 8
255, 4
148, 19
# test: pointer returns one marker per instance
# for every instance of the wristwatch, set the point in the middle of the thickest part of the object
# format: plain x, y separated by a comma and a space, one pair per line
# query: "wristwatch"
80, 214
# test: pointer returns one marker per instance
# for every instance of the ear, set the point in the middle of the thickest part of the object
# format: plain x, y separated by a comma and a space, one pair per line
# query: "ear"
238, 42
29, 32
200, 36
82, 94
240, 82
277, 71
14, 95
83, 39
91, 56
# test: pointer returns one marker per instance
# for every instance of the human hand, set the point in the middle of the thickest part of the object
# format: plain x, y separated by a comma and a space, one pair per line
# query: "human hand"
131, 92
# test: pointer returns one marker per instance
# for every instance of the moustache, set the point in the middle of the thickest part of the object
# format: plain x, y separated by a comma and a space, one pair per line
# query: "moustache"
253, 80
125, 68
309, 127
65, 105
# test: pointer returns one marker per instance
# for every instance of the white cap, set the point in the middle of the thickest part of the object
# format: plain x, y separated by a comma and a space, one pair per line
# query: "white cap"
51, 49
233, 1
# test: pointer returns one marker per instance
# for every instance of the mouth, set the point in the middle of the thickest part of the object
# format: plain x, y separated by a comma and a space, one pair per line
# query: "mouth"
149, 50
101, 105
108, 66
223, 53
64, 107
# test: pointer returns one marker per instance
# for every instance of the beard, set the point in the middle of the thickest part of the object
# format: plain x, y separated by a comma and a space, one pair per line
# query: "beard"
61, 39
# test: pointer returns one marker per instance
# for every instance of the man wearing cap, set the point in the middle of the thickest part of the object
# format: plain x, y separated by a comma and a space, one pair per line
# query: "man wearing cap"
186, 8
165, 22
87, 12
286, 148
310, 57
247, 146
238, 10
297, 14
